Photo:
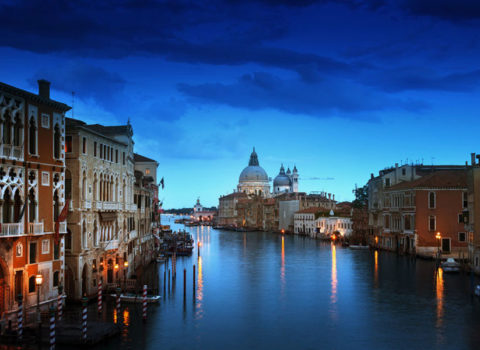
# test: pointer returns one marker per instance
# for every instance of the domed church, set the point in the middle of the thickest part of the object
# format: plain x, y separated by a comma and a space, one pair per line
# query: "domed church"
253, 179
286, 182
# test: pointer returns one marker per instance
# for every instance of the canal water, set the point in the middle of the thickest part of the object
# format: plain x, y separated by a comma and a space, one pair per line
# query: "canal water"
259, 290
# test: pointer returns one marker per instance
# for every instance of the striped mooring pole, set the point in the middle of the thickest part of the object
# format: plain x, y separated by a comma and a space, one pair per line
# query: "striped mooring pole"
60, 303
144, 303
174, 265
99, 293
52, 327
20, 318
118, 300
84, 319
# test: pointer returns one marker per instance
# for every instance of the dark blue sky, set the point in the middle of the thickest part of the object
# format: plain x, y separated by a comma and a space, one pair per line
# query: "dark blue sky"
339, 88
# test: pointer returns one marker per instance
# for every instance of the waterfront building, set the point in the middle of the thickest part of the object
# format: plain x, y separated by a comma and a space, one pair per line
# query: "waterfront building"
200, 214
472, 214
32, 130
141, 241
377, 187
99, 182
319, 223
425, 216
227, 209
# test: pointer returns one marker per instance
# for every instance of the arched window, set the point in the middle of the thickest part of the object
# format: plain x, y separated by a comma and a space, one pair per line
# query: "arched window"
84, 235
56, 142
32, 206
17, 131
7, 207
431, 200
95, 233
31, 284
56, 205
7, 128
84, 186
32, 137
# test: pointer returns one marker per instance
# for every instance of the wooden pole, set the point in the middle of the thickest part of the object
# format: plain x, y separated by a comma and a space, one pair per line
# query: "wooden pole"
184, 284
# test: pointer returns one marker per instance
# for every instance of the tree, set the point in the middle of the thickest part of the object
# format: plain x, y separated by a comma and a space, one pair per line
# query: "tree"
361, 197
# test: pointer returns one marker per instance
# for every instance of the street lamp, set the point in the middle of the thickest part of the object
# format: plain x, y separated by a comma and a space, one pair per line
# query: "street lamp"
438, 236
125, 264
38, 282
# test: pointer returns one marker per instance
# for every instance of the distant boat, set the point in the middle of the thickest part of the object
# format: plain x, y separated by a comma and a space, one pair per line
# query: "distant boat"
450, 265
137, 298
359, 247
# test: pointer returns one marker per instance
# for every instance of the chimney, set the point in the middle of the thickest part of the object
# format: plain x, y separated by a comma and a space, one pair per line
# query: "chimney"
333, 197
44, 88
473, 158
329, 196
371, 175
396, 165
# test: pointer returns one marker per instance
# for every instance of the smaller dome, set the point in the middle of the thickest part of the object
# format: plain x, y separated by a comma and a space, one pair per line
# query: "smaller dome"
282, 179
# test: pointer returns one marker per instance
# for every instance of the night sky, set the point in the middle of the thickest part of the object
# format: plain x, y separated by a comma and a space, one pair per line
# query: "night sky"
338, 88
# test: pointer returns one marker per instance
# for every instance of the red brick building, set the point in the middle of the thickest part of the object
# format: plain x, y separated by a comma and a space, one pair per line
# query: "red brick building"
32, 129
415, 211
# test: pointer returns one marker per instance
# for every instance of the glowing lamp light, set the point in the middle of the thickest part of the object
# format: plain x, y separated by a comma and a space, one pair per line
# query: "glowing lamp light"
438, 235
125, 264
38, 280
333, 237
283, 231
116, 266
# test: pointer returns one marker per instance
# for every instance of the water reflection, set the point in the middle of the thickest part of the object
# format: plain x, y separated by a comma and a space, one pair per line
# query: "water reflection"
126, 323
375, 275
282, 268
199, 304
439, 290
333, 297
115, 316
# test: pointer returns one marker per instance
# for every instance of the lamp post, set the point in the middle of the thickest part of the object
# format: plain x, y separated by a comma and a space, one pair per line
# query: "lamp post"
438, 236
38, 282
125, 264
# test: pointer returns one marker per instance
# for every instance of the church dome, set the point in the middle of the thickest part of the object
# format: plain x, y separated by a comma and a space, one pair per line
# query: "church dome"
253, 172
282, 179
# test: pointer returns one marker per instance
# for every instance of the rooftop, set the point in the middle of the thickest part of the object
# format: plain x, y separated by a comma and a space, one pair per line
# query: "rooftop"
437, 179
142, 159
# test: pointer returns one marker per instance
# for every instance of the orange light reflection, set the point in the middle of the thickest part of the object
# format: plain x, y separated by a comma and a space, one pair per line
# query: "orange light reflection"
375, 277
439, 289
199, 310
282, 267
333, 297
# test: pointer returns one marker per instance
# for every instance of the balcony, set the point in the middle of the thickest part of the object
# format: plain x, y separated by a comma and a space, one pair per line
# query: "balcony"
11, 152
35, 228
11, 230
87, 204
111, 245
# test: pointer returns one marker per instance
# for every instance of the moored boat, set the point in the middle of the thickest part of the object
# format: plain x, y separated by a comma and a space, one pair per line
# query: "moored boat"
137, 298
450, 265
359, 247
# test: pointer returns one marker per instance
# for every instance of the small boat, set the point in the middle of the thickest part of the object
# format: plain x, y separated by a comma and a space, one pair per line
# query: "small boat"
450, 265
137, 298
359, 247
477, 290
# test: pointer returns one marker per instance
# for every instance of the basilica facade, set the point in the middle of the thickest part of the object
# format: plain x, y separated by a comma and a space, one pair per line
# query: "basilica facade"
255, 181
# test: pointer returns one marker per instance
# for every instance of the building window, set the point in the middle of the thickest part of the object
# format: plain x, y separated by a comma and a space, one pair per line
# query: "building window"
31, 284
465, 200
446, 245
461, 237
45, 178
431, 200
33, 253
56, 142
19, 250
123, 158
387, 221
32, 136
147, 171
95, 149
432, 223
460, 218
101, 151
56, 275
387, 182
56, 251
68, 144
404, 171
111, 154
84, 145
116, 156
45, 246
45, 121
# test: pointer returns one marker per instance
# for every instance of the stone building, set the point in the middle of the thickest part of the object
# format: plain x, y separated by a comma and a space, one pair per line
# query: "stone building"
141, 249
101, 222
227, 209
32, 130
321, 223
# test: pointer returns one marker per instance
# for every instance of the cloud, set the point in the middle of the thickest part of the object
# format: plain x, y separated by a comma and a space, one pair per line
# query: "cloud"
458, 10
88, 82
415, 79
263, 90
